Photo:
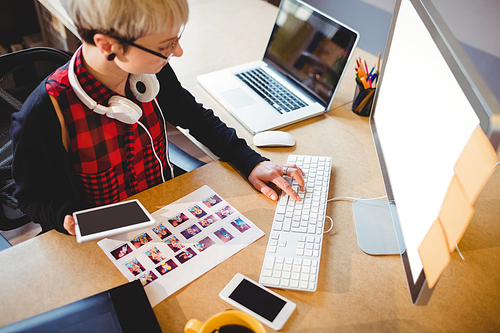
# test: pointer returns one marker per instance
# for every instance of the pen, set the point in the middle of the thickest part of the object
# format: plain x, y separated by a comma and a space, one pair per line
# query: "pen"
371, 72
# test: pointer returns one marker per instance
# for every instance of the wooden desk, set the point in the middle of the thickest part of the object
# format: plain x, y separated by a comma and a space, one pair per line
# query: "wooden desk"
356, 292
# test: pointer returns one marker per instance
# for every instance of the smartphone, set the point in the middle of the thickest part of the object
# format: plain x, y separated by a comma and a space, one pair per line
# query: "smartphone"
265, 305
109, 220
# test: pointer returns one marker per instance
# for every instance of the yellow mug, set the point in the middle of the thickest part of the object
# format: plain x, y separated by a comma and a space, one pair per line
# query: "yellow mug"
226, 318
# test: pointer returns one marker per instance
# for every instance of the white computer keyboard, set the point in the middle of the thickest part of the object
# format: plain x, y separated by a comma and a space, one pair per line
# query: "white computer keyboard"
294, 248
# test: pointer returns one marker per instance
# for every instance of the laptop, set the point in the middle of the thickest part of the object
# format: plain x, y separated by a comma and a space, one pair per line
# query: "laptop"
123, 309
304, 62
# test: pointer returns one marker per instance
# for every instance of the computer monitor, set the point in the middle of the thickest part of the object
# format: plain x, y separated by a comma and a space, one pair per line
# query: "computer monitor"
429, 100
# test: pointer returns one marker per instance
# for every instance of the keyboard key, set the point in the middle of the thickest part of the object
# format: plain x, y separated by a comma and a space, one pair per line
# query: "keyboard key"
270, 281
269, 263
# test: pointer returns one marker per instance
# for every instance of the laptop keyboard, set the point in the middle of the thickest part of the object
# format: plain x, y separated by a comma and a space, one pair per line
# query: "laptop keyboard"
273, 92
294, 248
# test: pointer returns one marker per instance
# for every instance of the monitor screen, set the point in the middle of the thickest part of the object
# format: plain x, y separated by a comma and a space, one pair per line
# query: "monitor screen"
312, 47
424, 113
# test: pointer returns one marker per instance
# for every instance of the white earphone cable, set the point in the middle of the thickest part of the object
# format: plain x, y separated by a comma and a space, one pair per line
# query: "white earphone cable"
154, 151
166, 138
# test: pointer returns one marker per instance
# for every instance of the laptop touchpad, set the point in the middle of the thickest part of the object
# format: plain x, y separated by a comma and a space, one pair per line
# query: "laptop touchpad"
238, 98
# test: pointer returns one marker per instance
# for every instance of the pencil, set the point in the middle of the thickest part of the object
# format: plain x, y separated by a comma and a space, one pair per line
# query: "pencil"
378, 63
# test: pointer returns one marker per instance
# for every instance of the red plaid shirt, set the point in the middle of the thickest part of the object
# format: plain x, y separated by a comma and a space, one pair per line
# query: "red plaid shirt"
112, 160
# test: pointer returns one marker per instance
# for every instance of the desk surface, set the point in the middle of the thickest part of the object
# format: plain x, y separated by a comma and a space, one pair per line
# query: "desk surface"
356, 292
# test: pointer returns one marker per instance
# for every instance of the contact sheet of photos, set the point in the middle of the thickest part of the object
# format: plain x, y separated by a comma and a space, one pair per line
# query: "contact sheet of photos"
190, 237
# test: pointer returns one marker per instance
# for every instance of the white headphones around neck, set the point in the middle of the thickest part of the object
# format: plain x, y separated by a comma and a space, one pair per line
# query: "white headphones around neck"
144, 87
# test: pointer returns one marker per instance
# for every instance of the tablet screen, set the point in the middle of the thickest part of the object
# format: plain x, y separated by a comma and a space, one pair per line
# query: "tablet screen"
111, 217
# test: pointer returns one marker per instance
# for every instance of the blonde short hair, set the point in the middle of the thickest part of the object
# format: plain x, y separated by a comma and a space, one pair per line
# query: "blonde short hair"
126, 19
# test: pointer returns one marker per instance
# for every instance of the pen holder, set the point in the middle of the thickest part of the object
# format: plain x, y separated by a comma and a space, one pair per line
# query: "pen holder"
363, 100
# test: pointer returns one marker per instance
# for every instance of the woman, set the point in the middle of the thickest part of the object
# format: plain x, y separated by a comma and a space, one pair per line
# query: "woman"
94, 133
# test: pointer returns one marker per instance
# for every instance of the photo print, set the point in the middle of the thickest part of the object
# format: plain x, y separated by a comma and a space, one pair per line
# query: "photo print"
141, 240
135, 267
185, 255
191, 231
121, 251
155, 255
197, 211
224, 212
178, 219
161, 231
166, 267
212, 201
174, 243
241, 225
147, 278
207, 221
204, 244
223, 235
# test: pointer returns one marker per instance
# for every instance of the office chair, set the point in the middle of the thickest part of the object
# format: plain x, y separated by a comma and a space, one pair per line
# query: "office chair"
20, 74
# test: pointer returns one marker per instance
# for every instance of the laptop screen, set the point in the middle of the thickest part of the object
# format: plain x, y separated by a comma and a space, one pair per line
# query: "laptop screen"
311, 48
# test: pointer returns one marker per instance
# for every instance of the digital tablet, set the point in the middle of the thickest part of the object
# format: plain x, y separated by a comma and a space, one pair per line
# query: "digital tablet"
109, 220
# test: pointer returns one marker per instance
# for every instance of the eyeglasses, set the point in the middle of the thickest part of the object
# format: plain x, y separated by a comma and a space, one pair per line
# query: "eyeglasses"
169, 50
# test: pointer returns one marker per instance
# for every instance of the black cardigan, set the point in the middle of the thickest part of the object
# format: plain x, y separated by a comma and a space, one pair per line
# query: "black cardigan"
46, 184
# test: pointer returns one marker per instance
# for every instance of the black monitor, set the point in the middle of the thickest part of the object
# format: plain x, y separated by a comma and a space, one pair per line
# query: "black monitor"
122, 309
429, 99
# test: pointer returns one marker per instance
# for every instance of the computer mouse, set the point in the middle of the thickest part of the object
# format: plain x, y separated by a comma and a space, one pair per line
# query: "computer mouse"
273, 139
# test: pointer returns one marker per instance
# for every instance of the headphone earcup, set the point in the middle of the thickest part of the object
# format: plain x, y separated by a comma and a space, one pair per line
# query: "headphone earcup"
144, 87
124, 110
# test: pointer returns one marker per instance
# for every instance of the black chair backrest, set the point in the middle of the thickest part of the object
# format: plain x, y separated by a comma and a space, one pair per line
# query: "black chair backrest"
20, 73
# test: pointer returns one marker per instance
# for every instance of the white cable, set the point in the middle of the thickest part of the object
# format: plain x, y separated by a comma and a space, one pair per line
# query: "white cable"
346, 198
460, 253
154, 151
351, 198
166, 139
331, 225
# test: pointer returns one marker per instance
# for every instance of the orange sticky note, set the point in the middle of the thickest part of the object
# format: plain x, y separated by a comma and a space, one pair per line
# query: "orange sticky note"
474, 166
434, 253
456, 213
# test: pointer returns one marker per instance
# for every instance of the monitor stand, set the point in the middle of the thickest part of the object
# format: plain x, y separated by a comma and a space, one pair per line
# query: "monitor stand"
377, 233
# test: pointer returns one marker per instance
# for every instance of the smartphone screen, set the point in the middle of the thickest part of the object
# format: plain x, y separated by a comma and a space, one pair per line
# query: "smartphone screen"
113, 217
257, 300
